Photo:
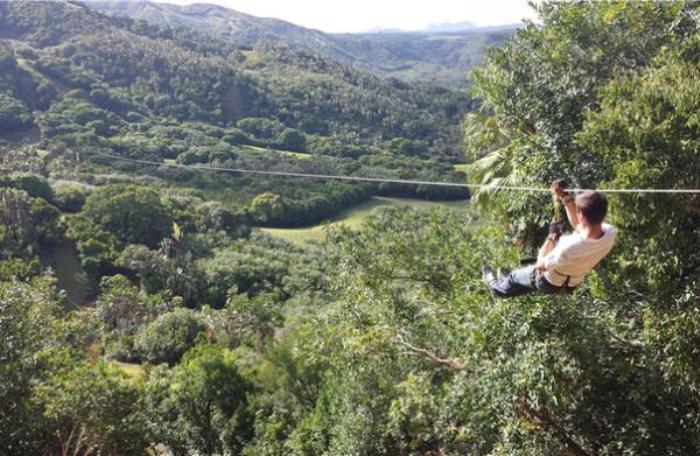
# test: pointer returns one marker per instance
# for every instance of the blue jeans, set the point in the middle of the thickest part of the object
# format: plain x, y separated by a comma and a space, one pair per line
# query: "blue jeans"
523, 281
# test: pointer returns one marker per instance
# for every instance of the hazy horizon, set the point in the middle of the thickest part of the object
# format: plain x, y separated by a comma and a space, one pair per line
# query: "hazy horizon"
355, 17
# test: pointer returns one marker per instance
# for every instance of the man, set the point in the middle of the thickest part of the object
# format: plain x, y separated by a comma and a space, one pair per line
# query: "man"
562, 264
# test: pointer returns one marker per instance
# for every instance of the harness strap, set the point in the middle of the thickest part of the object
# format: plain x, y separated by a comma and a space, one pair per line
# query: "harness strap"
565, 285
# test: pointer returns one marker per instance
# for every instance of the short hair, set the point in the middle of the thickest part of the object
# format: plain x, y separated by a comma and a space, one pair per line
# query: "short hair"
593, 205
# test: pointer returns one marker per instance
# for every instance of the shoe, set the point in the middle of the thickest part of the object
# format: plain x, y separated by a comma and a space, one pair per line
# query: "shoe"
489, 276
499, 275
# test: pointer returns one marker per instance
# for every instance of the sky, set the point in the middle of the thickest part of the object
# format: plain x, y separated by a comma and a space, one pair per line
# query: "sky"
361, 15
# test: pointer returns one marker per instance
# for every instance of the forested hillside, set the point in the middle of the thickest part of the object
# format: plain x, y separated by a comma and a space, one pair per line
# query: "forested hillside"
434, 57
198, 334
90, 82
194, 77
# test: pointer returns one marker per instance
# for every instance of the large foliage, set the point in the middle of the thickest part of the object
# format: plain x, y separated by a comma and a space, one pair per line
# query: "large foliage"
420, 358
537, 90
201, 406
134, 214
168, 337
383, 340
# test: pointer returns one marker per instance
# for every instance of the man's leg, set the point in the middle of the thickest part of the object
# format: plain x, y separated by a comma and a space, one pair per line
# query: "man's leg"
518, 282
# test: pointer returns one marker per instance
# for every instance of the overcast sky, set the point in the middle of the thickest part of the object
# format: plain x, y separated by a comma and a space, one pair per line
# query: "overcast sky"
361, 15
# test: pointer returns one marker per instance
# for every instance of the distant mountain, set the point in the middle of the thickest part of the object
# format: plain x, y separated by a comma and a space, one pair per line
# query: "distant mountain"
384, 30
226, 24
74, 61
451, 27
440, 56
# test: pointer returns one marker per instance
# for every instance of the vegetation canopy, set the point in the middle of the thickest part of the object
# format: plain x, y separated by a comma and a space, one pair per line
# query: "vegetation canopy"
153, 310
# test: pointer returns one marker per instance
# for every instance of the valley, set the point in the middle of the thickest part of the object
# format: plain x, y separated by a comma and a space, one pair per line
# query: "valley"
353, 217
155, 299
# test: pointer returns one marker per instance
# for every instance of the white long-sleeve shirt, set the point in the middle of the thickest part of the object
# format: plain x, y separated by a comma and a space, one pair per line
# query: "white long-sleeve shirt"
575, 255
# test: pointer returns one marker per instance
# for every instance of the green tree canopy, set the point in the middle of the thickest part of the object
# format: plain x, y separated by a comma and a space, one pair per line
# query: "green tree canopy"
201, 405
169, 336
93, 409
537, 89
133, 213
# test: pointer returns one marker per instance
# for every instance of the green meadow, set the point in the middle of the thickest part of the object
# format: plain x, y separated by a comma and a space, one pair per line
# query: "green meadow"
353, 218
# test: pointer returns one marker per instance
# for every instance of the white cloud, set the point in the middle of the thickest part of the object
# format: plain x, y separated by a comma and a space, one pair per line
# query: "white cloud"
361, 15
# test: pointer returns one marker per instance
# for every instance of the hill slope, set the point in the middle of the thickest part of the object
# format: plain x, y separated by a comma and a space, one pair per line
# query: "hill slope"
162, 71
94, 83
431, 56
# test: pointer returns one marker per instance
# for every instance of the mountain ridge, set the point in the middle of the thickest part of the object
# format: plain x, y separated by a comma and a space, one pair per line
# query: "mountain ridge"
136, 68
442, 56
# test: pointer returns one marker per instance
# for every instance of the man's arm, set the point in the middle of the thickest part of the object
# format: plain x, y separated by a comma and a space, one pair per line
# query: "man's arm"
559, 194
570, 206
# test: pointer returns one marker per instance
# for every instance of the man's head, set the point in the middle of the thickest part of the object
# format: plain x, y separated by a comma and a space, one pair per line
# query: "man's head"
592, 207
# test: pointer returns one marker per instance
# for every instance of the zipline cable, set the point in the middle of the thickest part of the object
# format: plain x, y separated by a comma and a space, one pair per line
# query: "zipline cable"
391, 181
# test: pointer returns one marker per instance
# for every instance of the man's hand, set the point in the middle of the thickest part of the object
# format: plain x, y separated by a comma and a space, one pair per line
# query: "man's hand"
559, 190
559, 194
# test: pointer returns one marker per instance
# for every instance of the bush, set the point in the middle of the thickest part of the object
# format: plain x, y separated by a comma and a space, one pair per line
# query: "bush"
121, 348
70, 197
167, 338
133, 213
292, 139
35, 186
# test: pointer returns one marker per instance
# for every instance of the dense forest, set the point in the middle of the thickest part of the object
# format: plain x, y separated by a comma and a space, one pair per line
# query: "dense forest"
429, 56
83, 83
197, 334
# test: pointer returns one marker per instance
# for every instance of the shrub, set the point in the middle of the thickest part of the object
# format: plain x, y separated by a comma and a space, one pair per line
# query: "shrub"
168, 337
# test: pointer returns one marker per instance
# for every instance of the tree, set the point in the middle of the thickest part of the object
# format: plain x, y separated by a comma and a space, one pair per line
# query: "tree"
260, 127
657, 257
419, 358
93, 408
235, 136
26, 223
657, 150
133, 213
35, 186
267, 207
14, 115
256, 317
403, 146
291, 139
7, 60
178, 276
29, 312
98, 247
201, 405
168, 337
537, 89
70, 197
119, 305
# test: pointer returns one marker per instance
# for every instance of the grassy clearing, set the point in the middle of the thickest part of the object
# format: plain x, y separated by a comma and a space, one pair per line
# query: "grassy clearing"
353, 218
134, 371
288, 153
251, 57
461, 167
259, 150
